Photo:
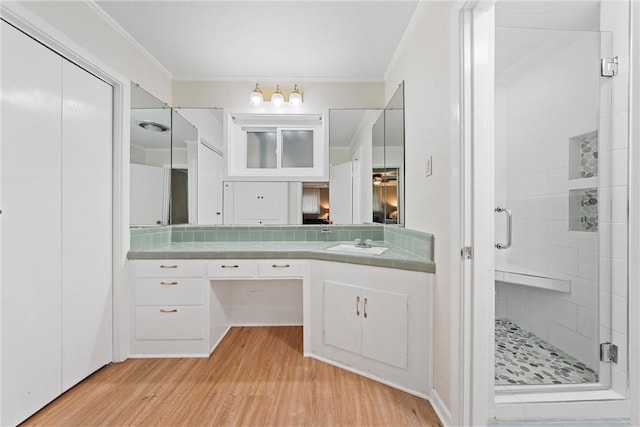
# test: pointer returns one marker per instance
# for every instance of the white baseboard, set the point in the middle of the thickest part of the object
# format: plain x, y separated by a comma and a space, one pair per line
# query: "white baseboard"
367, 375
213, 347
441, 409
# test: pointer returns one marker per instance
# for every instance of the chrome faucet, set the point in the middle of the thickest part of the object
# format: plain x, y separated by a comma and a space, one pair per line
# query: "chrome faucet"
363, 244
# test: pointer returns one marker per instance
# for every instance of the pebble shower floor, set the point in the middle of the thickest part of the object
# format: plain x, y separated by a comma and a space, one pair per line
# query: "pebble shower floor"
523, 358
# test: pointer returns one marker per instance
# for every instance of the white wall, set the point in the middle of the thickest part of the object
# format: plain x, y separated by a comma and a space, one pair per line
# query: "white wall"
79, 21
423, 63
316, 95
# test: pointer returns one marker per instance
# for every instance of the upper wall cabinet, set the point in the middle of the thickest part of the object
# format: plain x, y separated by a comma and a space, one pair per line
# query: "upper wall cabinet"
276, 147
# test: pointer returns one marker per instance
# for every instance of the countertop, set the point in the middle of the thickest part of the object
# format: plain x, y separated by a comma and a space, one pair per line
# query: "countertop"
394, 257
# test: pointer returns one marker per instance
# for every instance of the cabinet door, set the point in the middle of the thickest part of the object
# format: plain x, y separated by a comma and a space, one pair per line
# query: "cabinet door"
86, 224
342, 316
260, 202
31, 226
384, 327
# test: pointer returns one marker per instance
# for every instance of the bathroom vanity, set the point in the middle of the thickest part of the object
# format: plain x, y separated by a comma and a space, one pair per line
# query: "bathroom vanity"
370, 314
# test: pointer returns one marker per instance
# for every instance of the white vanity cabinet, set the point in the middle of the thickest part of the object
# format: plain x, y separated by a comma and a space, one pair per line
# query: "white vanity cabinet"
369, 322
388, 338
171, 309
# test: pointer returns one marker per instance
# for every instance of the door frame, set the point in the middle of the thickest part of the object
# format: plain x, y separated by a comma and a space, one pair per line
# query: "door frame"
476, 61
40, 30
477, 193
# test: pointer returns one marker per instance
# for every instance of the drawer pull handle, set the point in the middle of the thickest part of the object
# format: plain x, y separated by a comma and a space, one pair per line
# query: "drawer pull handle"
168, 283
365, 308
357, 306
168, 266
162, 310
280, 266
230, 266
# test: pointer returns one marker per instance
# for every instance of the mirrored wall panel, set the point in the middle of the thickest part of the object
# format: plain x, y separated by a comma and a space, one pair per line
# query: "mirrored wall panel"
366, 151
150, 159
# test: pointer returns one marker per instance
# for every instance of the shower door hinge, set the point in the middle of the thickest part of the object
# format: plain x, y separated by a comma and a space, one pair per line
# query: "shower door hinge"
609, 66
466, 252
608, 352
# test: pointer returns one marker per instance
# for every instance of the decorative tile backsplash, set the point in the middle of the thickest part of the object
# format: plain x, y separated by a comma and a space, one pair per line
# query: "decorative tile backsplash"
415, 242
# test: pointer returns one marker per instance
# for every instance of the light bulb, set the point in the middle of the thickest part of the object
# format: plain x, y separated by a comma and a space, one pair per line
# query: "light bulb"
256, 96
295, 98
277, 99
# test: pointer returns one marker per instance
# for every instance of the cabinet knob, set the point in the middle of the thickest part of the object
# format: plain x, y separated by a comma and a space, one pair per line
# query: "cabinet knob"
281, 266
162, 310
357, 306
229, 266
168, 266
365, 308
169, 283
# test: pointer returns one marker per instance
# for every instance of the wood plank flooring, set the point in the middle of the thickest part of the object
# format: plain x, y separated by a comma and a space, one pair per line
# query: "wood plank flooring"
256, 377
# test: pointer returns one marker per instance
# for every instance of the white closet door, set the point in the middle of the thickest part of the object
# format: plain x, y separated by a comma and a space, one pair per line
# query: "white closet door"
31, 79
86, 224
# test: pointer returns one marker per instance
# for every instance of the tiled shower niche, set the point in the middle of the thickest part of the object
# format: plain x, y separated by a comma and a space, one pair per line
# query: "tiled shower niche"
583, 209
583, 155
583, 169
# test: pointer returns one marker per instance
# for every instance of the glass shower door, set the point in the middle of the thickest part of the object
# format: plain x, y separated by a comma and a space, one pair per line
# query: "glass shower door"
554, 168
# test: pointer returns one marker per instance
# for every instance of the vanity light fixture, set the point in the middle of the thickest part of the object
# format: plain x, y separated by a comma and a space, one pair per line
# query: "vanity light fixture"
152, 126
256, 96
277, 97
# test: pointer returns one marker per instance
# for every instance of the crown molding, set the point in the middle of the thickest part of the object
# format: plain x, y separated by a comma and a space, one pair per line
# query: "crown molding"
128, 37
403, 40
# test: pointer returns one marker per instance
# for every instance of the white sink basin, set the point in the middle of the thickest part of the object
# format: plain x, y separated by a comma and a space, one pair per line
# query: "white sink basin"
353, 249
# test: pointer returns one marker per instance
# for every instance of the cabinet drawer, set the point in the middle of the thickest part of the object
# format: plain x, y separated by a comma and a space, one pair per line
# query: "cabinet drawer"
168, 268
169, 291
281, 268
169, 323
231, 268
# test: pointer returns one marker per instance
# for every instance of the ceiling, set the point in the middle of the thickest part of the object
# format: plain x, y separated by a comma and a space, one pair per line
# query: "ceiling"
267, 40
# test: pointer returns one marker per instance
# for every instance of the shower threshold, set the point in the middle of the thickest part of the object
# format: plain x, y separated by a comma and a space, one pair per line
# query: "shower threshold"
522, 358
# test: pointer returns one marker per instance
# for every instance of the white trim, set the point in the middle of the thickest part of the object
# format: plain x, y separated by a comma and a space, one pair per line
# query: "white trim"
262, 79
441, 409
128, 37
40, 30
634, 214
476, 394
403, 40
569, 408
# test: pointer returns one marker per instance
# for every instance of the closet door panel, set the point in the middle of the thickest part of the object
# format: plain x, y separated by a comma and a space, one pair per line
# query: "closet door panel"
86, 224
30, 231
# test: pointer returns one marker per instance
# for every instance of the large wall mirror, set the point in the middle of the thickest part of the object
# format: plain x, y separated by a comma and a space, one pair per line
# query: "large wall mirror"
176, 163
178, 170
366, 152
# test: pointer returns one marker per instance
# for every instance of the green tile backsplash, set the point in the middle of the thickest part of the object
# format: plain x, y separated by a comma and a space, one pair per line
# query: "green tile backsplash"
416, 242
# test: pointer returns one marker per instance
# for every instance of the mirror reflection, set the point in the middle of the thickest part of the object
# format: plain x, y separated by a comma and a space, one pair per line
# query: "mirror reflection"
150, 165
177, 164
178, 170
366, 150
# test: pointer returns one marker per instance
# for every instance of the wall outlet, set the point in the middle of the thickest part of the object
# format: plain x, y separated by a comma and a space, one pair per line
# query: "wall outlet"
428, 167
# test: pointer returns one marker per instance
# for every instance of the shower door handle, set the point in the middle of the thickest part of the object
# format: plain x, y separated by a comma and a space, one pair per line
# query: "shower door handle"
507, 245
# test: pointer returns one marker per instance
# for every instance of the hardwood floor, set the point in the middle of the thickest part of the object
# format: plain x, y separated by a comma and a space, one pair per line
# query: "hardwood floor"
256, 377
